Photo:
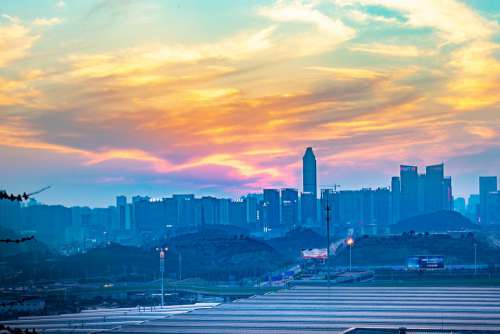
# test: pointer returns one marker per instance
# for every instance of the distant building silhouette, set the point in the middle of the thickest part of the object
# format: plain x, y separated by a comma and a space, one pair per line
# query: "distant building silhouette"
409, 191
271, 208
364, 211
309, 194
395, 198
487, 184
459, 205
123, 212
289, 207
251, 207
368, 210
211, 210
186, 211
309, 172
381, 206
473, 207
493, 208
421, 194
434, 188
237, 213
327, 198
447, 194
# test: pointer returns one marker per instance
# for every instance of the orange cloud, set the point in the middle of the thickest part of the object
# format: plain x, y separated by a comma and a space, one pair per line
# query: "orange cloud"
15, 41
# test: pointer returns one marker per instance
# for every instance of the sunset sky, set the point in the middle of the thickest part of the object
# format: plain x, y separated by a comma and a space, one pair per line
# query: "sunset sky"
101, 98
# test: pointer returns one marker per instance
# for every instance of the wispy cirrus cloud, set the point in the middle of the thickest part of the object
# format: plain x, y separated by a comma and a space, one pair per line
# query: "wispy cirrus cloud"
230, 110
15, 40
296, 11
454, 21
392, 50
47, 22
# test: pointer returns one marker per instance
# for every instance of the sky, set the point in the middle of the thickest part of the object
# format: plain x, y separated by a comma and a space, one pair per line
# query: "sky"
106, 97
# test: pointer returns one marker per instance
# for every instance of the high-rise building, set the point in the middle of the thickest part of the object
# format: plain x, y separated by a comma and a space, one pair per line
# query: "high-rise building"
459, 205
50, 223
308, 209
348, 208
327, 198
487, 184
251, 206
434, 188
210, 210
123, 217
237, 213
289, 207
186, 214
409, 191
309, 172
150, 216
224, 204
308, 199
366, 206
395, 198
493, 208
447, 194
473, 207
381, 207
271, 207
421, 194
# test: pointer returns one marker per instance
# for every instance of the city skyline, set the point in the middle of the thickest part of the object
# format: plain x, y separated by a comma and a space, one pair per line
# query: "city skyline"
100, 98
412, 195
219, 165
418, 190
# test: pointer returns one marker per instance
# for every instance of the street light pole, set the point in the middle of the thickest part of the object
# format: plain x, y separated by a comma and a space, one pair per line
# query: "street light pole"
350, 242
180, 266
328, 240
475, 258
350, 258
162, 270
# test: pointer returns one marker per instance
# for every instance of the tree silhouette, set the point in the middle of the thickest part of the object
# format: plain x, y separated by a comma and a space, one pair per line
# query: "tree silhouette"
17, 241
18, 198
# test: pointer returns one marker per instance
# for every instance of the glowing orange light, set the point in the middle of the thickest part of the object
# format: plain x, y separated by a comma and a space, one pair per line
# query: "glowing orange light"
350, 241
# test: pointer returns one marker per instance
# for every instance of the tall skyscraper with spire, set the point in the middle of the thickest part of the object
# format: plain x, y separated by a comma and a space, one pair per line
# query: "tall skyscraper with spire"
309, 195
309, 172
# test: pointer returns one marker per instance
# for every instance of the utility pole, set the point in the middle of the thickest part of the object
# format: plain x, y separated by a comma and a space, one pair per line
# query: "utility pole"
350, 258
475, 259
162, 270
328, 240
180, 266
350, 242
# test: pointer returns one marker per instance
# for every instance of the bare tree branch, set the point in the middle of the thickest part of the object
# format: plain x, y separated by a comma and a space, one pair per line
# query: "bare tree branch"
20, 197
17, 241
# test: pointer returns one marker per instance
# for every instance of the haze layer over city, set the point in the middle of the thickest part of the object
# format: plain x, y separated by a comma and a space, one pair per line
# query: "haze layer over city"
279, 166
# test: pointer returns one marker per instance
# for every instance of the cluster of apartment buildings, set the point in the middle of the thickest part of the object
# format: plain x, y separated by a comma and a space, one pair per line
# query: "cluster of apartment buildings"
270, 213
